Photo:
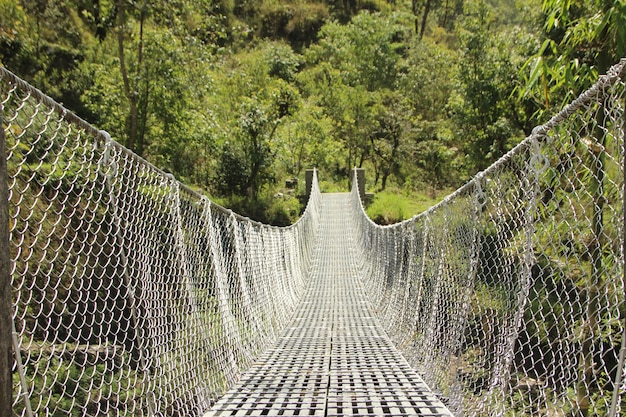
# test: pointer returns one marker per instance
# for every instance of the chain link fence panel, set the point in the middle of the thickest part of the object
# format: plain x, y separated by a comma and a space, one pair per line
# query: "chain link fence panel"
132, 294
509, 295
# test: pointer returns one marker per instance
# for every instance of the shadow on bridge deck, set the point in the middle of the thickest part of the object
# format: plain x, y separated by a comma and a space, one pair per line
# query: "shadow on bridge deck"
334, 358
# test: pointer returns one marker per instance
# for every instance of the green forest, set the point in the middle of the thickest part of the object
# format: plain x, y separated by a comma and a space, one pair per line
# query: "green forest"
236, 97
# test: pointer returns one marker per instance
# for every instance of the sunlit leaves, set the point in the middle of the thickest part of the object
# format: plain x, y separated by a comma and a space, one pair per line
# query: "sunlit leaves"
494, 122
363, 49
283, 62
582, 40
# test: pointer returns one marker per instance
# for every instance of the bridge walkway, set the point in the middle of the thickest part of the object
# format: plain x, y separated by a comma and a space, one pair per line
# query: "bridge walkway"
334, 359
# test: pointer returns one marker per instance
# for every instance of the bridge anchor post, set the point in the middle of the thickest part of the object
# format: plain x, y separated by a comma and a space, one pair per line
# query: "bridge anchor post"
308, 179
359, 174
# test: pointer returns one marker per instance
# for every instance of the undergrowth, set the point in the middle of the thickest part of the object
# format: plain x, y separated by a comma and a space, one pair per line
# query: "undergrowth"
394, 205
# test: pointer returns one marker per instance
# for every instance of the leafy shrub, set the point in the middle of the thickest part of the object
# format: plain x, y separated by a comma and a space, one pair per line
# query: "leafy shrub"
283, 62
297, 23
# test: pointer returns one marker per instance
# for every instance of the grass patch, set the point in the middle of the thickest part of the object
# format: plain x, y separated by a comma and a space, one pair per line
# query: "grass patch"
394, 205
279, 209
333, 187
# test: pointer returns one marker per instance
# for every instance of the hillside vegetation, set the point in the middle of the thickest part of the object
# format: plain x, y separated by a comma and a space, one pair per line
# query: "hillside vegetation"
235, 97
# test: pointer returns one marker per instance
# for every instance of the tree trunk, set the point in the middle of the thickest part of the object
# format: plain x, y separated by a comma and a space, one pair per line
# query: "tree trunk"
141, 103
383, 182
425, 18
444, 22
129, 91
586, 372
415, 8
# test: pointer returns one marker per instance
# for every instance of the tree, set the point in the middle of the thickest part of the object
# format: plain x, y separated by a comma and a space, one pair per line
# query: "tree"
371, 39
580, 41
245, 164
422, 7
254, 150
362, 50
347, 68
283, 62
432, 151
484, 108
307, 141
131, 94
147, 74
43, 42
448, 9
391, 116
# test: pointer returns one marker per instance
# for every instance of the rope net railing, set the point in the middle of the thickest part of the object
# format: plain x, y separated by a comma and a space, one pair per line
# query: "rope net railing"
509, 296
132, 294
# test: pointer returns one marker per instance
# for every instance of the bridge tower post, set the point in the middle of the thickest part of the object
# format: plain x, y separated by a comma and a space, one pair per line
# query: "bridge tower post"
359, 174
6, 305
308, 179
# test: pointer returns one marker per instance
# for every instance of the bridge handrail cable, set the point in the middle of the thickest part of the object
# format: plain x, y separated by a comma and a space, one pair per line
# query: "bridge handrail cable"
131, 294
509, 295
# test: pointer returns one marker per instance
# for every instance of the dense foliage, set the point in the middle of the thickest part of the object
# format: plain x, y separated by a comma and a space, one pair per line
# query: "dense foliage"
234, 97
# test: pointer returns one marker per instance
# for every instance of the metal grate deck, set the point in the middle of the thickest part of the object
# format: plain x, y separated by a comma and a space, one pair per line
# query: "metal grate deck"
334, 359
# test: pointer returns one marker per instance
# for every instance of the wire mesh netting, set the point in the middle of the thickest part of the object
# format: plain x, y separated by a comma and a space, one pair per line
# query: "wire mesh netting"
133, 295
509, 296
334, 359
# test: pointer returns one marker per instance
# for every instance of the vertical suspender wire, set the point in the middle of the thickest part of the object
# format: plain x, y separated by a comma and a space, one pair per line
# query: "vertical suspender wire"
620, 382
20, 369
109, 168
230, 369
479, 201
430, 357
201, 388
535, 166
6, 394
8, 338
249, 318
5, 290
409, 273
422, 268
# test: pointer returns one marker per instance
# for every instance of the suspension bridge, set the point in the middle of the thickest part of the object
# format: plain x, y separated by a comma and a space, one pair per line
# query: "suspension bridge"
132, 295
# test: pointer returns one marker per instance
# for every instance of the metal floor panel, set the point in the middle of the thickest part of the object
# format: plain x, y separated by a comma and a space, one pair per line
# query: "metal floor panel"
334, 359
